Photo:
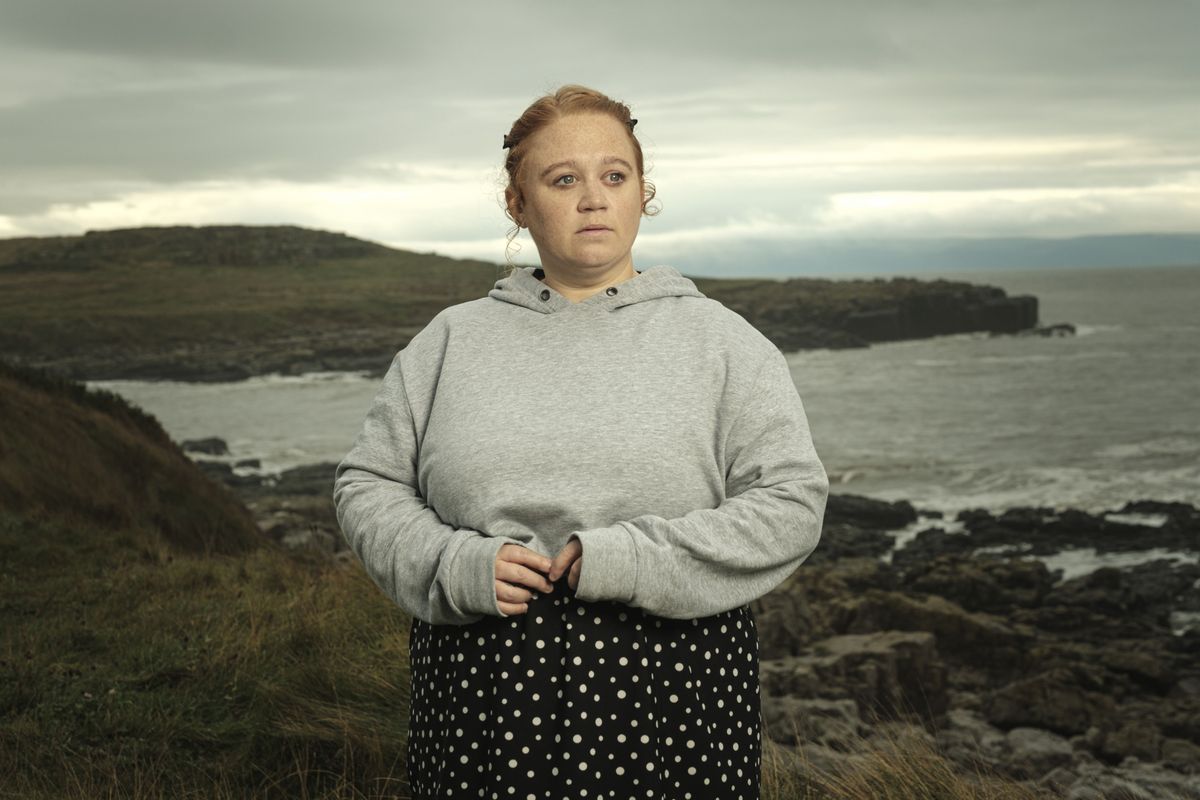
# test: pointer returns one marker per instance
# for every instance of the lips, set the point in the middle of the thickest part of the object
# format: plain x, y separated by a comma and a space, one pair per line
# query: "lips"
594, 229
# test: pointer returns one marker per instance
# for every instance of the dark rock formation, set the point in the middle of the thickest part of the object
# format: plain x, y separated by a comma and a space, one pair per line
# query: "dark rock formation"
801, 313
1077, 685
212, 445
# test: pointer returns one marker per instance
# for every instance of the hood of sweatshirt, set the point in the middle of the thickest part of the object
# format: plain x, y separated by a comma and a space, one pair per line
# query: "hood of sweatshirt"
523, 287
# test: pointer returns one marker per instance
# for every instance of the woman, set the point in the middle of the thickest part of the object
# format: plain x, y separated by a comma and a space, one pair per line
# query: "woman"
576, 485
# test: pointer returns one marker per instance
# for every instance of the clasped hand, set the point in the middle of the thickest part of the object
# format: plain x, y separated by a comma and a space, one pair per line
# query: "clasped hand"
518, 575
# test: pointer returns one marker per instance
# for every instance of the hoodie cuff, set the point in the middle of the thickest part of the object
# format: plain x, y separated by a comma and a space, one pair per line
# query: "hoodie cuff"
609, 570
473, 575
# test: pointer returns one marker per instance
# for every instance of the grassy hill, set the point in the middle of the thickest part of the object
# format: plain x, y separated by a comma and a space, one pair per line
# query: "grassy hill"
89, 457
230, 301
154, 642
219, 301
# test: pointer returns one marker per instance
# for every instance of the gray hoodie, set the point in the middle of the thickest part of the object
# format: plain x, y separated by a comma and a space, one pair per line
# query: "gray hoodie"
648, 421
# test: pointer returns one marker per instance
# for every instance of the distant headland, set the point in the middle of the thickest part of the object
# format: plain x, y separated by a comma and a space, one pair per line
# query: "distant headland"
228, 302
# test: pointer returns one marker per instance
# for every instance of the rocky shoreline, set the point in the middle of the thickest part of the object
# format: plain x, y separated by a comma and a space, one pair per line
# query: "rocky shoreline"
1087, 686
370, 350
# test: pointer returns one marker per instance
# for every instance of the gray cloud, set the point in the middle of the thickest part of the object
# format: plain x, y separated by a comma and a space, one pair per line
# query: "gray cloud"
103, 99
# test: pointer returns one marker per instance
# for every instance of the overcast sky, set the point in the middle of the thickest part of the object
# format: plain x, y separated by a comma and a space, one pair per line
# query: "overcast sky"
770, 125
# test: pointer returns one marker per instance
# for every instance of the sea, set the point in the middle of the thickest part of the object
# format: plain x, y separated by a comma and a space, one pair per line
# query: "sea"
1090, 421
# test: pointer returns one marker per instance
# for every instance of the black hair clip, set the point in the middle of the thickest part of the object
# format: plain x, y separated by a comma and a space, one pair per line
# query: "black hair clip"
632, 122
507, 143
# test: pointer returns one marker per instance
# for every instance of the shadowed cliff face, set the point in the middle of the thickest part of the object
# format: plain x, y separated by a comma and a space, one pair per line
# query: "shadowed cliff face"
802, 313
229, 302
89, 457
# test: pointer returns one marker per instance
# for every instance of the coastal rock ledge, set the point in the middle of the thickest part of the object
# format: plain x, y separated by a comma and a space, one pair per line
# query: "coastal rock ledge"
1087, 686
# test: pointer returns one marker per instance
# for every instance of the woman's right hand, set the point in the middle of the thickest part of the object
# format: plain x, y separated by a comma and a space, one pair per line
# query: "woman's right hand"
516, 569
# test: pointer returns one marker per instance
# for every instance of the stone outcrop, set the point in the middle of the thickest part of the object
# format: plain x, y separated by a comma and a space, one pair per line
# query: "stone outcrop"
1081, 686
801, 313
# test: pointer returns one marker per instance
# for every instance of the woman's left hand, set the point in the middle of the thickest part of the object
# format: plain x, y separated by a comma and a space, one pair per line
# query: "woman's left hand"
570, 557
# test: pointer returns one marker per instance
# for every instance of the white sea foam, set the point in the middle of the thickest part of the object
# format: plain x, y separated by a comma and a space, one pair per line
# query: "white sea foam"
902, 536
1183, 445
317, 377
1096, 489
1183, 621
1027, 358
1082, 329
1085, 560
1136, 518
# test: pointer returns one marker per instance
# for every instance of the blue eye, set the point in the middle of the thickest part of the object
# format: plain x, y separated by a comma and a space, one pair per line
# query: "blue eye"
571, 178
620, 176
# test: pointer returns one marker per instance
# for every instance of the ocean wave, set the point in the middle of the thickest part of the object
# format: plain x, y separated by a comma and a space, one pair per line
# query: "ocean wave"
1085, 560
1023, 358
1164, 446
1082, 329
1096, 490
338, 376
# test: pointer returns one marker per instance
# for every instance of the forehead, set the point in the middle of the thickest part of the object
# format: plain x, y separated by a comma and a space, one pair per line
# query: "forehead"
580, 137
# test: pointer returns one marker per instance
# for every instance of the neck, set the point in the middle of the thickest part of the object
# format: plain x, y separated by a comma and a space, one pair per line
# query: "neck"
578, 285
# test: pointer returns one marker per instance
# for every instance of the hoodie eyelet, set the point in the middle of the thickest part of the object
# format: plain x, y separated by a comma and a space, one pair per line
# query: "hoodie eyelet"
545, 294
610, 291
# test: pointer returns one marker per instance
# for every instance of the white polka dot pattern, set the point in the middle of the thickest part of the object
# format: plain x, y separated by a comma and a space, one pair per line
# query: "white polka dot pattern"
579, 699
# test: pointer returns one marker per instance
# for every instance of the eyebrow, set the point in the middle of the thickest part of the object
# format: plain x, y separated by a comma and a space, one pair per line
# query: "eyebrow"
570, 163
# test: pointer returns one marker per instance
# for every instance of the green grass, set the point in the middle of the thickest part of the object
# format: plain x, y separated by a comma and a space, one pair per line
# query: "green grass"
130, 670
138, 308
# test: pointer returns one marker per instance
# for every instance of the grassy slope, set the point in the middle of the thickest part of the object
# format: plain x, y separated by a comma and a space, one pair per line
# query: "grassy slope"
90, 456
150, 305
132, 670
154, 643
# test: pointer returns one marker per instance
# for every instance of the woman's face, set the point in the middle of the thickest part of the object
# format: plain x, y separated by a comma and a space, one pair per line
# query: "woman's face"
582, 194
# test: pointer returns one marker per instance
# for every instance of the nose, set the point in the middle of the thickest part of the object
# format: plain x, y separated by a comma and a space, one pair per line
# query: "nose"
593, 197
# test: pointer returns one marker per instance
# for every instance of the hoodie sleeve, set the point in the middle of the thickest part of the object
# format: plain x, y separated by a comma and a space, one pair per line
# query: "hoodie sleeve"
441, 574
712, 560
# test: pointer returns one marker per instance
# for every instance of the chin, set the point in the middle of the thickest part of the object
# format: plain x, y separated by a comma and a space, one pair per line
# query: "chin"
601, 259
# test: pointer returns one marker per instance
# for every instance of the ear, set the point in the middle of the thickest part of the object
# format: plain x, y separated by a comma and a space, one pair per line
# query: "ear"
515, 206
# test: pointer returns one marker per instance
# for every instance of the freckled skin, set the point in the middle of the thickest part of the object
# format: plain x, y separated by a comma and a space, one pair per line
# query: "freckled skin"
595, 191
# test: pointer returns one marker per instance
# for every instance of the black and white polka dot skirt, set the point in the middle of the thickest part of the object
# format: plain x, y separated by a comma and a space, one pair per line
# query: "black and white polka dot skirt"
580, 699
